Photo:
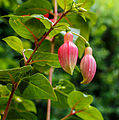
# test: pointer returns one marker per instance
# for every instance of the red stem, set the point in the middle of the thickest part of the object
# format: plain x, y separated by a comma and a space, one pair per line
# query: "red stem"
36, 47
51, 69
9, 101
43, 38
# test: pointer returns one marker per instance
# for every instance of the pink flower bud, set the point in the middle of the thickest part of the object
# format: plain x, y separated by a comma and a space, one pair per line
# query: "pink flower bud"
68, 55
88, 66
68, 37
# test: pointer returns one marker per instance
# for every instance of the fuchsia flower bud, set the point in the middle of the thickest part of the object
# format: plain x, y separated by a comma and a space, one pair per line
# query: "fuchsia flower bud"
68, 54
88, 66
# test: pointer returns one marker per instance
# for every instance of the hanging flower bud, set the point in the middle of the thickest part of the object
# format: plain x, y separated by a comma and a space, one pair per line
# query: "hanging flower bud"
88, 66
68, 54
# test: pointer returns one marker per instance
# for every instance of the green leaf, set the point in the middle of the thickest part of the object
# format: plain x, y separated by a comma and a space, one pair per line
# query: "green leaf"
15, 115
4, 91
28, 53
36, 86
65, 86
47, 23
3, 103
43, 47
62, 90
34, 6
59, 28
15, 43
80, 43
27, 27
45, 58
61, 100
86, 3
9, 75
40, 68
91, 16
79, 100
24, 104
65, 4
76, 21
91, 113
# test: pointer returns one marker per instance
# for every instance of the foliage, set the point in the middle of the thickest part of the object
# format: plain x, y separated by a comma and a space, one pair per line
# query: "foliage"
34, 85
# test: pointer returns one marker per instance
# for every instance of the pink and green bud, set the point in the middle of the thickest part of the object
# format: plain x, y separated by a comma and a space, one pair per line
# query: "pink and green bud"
68, 37
88, 66
68, 54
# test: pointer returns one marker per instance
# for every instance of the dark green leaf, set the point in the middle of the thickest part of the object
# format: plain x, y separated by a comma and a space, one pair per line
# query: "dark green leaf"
45, 46
41, 68
61, 100
59, 28
15, 43
27, 27
90, 113
43, 58
62, 90
36, 86
79, 100
24, 105
34, 6
80, 43
13, 74
47, 23
15, 115
65, 4
3, 103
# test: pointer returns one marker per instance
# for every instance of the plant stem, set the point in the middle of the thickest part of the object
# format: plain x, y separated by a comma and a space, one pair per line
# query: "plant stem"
36, 47
9, 101
43, 38
51, 69
66, 116
87, 43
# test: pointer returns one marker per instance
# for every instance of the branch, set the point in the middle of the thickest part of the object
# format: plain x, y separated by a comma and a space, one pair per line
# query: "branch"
43, 38
9, 101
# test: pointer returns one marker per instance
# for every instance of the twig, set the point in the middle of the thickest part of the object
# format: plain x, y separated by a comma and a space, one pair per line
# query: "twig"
9, 101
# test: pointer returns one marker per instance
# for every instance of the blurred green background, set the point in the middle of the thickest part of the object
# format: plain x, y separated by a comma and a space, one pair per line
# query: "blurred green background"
104, 39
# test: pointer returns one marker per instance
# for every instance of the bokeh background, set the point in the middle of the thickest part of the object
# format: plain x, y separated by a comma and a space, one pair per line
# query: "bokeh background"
104, 39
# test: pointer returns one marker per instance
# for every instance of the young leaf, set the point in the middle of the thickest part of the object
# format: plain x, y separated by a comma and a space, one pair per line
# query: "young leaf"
86, 3
4, 91
36, 86
65, 4
67, 86
79, 100
15, 43
34, 6
9, 75
91, 16
90, 113
46, 58
59, 28
27, 27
